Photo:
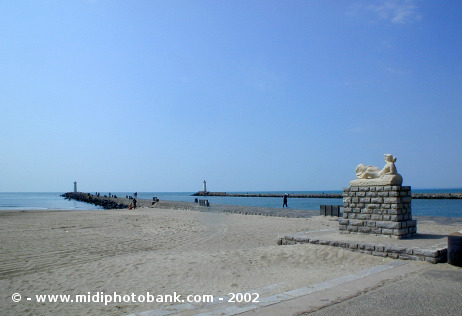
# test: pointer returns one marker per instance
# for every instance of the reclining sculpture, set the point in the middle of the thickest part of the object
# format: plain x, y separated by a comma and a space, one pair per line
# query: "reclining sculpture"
371, 175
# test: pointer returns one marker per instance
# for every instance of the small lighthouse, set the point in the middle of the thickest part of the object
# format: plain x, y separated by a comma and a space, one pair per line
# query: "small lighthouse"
75, 187
205, 186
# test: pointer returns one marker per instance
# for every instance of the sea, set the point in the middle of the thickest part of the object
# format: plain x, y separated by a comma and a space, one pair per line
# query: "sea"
11, 201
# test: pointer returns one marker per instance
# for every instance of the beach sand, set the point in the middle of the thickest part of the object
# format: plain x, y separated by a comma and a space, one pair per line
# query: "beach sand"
159, 251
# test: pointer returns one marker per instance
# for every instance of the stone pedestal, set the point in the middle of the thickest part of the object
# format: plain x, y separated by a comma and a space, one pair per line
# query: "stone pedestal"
378, 210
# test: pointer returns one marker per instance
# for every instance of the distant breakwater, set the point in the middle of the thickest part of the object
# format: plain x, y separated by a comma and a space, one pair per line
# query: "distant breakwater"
265, 195
431, 196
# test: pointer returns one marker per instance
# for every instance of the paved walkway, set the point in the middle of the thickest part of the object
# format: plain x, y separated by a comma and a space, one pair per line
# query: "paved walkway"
434, 290
404, 288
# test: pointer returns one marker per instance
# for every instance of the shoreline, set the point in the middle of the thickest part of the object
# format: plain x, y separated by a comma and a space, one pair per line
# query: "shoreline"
424, 207
439, 220
123, 203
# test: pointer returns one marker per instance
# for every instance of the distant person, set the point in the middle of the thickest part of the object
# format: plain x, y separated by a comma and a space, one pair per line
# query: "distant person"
136, 195
134, 203
284, 201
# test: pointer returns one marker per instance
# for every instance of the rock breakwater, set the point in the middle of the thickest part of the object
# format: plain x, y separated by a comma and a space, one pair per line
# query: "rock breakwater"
430, 196
104, 201
276, 195
117, 203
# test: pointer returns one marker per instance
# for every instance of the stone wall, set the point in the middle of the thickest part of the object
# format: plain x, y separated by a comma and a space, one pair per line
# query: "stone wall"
433, 254
378, 210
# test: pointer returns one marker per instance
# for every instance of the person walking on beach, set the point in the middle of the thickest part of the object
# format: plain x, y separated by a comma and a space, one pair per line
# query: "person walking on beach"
134, 203
284, 201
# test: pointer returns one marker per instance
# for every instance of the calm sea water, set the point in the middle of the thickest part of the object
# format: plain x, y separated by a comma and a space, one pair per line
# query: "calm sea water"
40, 201
53, 201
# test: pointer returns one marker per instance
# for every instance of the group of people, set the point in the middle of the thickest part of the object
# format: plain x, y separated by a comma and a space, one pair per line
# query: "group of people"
133, 203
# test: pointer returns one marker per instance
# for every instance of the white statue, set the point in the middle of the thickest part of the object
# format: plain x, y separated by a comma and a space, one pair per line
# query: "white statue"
371, 175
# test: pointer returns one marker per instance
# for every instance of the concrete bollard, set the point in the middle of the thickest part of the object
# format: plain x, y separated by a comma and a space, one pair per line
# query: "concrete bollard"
455, 249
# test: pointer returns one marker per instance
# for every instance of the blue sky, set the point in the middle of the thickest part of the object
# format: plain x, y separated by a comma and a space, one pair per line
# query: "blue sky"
249, 95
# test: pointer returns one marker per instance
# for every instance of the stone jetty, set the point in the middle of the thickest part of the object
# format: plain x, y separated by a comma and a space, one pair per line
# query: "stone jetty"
104, 201
431, 196
118, 203
320, 195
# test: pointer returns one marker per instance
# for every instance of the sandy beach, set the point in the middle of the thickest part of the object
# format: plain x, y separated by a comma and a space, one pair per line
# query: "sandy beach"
160, 251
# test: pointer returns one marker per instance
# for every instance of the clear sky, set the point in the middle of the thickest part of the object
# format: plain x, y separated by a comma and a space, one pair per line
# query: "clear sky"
249, 95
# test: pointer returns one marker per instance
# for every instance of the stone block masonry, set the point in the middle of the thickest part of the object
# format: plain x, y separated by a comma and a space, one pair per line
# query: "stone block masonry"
378, 210
431, 254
